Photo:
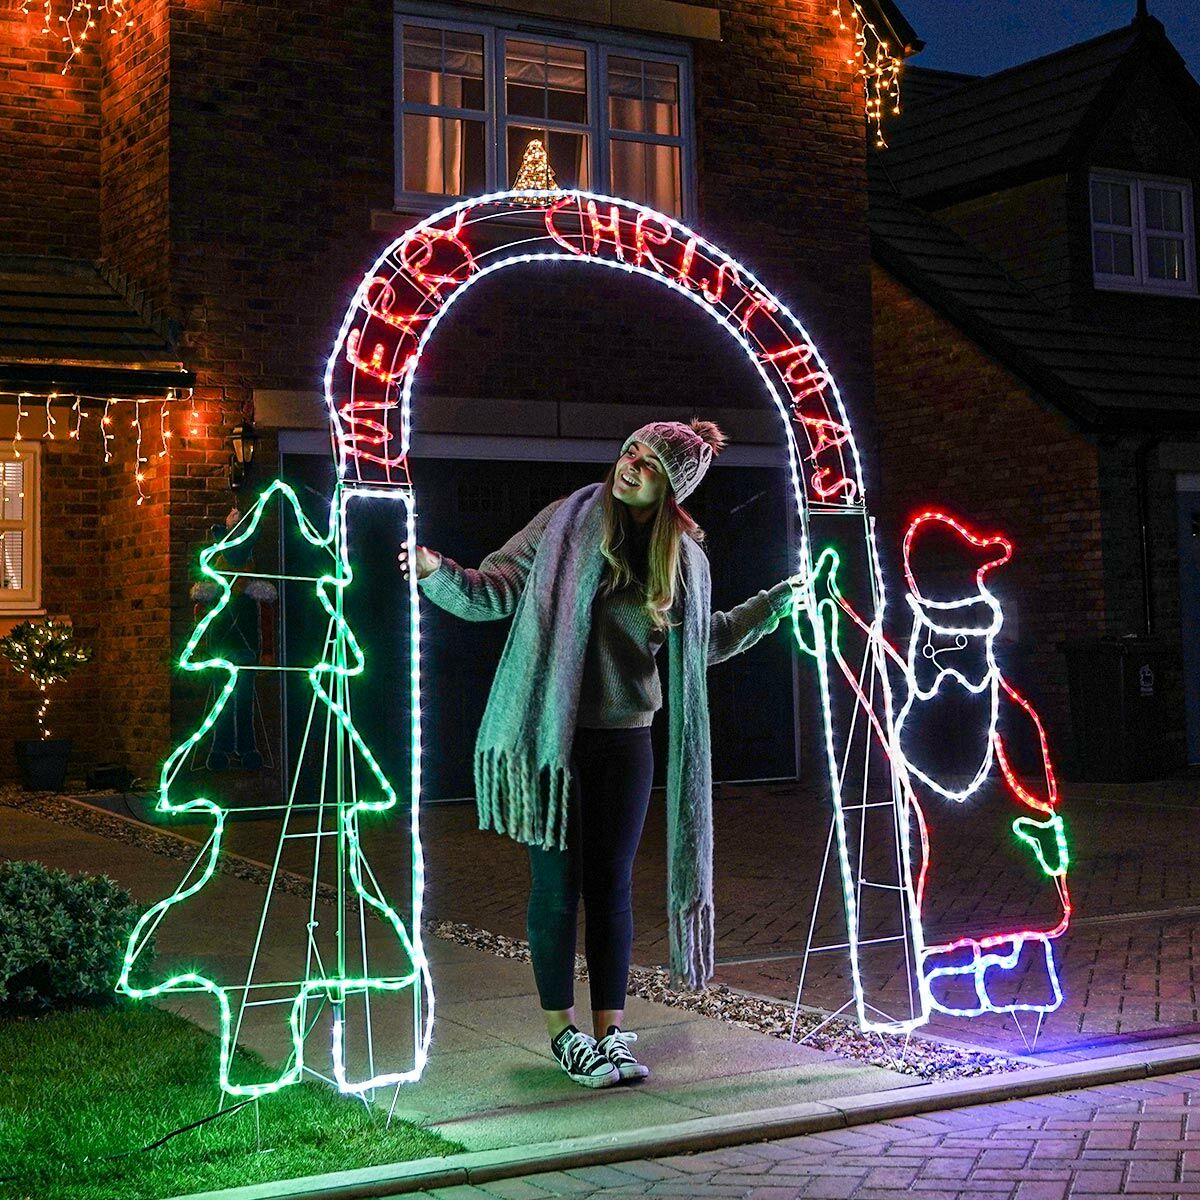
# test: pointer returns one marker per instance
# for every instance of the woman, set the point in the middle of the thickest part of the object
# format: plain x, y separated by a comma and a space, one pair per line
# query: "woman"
597, 581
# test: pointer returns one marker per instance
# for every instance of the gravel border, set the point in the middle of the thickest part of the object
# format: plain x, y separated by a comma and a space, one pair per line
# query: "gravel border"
921, 1058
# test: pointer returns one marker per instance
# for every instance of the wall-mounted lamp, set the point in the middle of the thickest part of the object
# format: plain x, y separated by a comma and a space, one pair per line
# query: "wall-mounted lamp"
242, 440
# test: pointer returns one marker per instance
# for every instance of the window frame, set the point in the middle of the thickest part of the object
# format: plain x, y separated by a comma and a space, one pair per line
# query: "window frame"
503, 119
598, 45
28, 601
1140, 281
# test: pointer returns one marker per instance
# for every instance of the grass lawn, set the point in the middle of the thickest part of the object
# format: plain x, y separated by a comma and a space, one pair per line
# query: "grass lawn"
78, 1086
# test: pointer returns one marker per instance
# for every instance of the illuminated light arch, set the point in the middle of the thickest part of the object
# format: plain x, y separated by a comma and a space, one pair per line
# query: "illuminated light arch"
369, 379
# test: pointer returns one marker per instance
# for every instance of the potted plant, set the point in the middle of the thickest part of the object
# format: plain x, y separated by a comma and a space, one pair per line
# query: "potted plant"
45, 652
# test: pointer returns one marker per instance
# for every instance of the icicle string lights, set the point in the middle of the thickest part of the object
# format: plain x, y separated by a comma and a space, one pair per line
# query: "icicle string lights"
139, 471
74, 22
78, 414
106, 430
876, 65
22, 413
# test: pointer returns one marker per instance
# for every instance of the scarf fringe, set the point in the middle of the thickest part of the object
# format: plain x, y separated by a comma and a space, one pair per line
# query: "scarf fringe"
693, 940
524, 801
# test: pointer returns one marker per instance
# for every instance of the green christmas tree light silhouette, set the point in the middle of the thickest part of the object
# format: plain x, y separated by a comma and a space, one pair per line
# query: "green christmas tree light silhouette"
355, 783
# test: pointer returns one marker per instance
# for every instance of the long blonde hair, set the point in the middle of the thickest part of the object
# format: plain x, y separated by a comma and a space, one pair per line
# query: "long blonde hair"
670, 523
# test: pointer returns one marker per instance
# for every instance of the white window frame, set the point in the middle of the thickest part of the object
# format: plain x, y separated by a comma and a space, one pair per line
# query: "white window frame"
1141, 281
496, 120
28, 600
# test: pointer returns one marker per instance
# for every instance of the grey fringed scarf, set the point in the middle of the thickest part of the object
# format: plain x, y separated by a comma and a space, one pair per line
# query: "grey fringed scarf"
522, 752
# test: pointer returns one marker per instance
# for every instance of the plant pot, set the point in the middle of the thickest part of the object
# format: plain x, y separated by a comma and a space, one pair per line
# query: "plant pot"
43, 763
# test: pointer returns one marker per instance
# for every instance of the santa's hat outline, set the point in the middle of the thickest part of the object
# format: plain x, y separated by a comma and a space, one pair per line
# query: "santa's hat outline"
976, 541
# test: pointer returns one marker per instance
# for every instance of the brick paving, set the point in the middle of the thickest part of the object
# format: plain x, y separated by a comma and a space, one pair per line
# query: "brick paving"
1128, 1139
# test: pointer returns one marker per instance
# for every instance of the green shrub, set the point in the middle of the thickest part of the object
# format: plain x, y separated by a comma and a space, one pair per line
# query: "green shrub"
62, 938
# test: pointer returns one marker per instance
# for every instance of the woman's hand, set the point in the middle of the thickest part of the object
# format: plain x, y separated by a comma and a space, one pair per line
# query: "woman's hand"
428, 561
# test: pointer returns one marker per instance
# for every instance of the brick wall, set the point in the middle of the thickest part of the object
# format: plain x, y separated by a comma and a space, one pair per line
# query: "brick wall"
49, 142
199, 498
782, 169
281, 146
272, 229
957, 429
134, 159
133, 645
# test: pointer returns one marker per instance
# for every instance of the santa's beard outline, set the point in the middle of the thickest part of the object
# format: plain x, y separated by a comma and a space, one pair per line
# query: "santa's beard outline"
935, 618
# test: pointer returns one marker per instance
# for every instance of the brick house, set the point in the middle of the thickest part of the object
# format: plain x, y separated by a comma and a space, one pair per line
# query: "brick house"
1035, 303
192, 204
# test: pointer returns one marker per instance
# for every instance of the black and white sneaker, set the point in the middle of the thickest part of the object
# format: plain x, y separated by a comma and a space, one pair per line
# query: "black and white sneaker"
576, 1054
614, 1045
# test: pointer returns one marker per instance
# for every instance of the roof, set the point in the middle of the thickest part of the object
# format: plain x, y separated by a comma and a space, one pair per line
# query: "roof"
66, 323
1020, 123
904, 36
921, 84
1102, 382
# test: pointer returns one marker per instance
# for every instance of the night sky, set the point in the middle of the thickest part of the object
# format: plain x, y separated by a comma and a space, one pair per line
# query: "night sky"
982, 36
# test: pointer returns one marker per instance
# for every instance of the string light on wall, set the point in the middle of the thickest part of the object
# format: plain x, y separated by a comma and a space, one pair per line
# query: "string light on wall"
77, 405
106, 430
22, 412
877, 66
139, 471
74, 22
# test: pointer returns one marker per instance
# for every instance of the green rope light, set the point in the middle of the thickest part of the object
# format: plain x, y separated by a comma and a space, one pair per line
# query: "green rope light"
343, 659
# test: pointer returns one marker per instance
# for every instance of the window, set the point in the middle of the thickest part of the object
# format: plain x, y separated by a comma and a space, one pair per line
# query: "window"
613, 116
19, 583
1143, 236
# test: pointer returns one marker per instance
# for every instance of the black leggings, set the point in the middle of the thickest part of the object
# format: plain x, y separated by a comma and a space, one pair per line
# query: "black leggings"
611, 772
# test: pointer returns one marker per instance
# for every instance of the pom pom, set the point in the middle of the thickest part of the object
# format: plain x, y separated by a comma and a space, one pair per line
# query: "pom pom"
710, 433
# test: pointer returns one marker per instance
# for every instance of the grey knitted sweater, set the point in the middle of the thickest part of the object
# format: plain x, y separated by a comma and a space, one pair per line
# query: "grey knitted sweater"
620, 686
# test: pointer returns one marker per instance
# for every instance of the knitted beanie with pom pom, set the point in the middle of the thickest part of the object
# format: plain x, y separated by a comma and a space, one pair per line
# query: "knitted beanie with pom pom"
685, 451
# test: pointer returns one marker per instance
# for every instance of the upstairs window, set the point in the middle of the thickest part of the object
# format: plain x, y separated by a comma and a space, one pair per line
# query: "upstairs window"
19, 583
1143, 234
612, 115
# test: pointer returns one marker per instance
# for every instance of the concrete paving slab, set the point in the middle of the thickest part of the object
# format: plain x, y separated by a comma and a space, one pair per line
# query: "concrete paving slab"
484, 980
444, 954
517, 1018
607, 1111
786, 1086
